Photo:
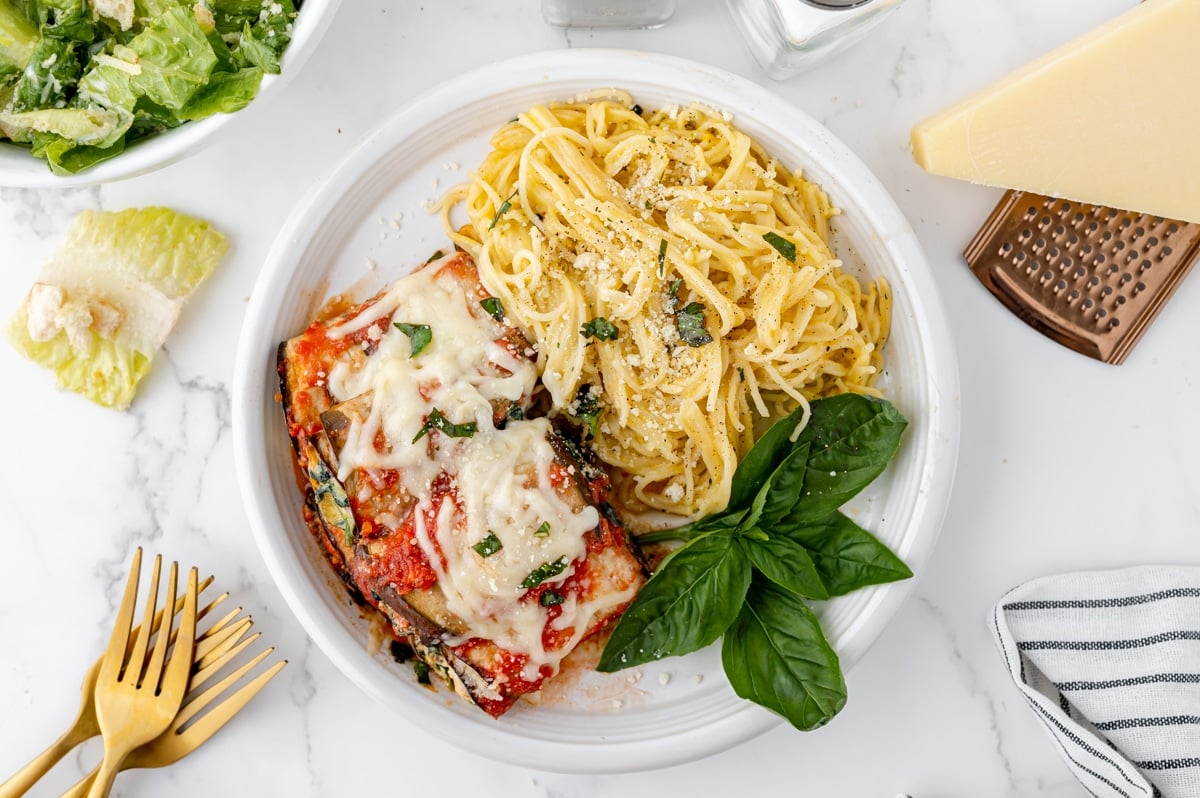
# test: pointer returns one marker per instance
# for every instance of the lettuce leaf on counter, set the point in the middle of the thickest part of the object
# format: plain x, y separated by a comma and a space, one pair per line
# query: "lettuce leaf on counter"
105, 302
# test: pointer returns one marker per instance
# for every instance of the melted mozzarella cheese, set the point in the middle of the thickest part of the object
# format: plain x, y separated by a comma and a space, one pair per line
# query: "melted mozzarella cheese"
502, 478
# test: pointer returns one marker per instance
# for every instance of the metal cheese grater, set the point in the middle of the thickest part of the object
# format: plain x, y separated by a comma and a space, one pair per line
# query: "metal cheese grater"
1090, 277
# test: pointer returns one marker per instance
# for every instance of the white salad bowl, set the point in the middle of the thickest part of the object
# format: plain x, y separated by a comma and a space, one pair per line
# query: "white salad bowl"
19, 169
368, 222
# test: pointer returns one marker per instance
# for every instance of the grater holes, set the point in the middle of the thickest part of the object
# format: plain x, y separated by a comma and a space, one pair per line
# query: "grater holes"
1005, 248
1031, 211
1120, 300
1059, 230
1152, 241
1079, 273
1060, 286
1093, 281
1026, 234
1114, 323
1046, 220
1126, 224
1106, 291
1125, 278
1086, 304
1145, 266
1166, 252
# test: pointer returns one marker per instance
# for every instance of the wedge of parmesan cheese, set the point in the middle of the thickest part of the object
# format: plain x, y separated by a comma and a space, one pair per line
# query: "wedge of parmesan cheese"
105, 302
1105, 119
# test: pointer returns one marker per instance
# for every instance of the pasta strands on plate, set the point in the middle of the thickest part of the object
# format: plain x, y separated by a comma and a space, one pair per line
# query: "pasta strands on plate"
673, 226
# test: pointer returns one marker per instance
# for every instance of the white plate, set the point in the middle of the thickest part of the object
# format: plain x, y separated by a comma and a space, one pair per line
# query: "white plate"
364, 226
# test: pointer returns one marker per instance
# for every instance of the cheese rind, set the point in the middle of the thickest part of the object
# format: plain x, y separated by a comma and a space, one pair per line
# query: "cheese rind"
1106, 119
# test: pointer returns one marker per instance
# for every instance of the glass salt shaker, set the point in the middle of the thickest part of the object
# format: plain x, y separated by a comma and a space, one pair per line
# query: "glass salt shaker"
608, 13
789, 36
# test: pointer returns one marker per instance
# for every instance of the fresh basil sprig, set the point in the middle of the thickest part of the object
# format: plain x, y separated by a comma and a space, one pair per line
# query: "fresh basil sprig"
746, 572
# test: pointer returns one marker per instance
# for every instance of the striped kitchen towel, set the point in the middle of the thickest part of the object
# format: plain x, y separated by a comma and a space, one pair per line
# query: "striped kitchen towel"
1109, 661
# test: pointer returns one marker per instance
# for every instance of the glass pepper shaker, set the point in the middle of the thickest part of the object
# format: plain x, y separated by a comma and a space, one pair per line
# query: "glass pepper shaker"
788, 36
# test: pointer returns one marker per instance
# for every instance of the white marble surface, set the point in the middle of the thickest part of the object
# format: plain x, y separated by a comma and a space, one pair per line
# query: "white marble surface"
1065, 463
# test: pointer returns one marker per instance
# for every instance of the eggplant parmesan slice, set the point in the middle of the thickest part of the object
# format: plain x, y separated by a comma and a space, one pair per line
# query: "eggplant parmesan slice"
477, 531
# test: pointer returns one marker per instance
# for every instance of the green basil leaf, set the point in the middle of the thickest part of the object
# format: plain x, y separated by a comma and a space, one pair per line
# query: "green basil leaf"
784, 247
545, 571
776, 656
690, 601
763, 458
782, 490
435, 420
488, 545
852, 439
599, 328
587, 407
550, 598
419, 335
847, 556
493, 307
785, 562
662, 251
421, 669
504, 208
543, 530
438, 255
690, 323
673, 293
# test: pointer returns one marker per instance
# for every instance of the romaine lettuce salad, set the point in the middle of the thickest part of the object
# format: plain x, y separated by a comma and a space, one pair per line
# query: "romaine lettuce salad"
82, 79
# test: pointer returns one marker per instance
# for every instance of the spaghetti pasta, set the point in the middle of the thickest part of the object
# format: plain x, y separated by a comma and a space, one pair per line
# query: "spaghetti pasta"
674, 227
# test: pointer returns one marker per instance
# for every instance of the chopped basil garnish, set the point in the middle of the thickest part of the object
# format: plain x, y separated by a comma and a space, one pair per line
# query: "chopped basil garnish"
401, 651
544, 572
422, 670
587, 407
675, 284
741, 374
784, 247
504, 208
489, 545
637, 109
493, 307
599, 328
690, 322
550, 599
419, 335
439, 422
515, 413
543, 530
662, 256
436, 256
648, 205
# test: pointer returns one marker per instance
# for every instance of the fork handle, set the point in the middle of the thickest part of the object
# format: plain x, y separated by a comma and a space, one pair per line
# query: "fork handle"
26, 777
108, 770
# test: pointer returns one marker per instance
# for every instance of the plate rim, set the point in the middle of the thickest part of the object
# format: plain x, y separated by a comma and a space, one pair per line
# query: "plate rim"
595, 65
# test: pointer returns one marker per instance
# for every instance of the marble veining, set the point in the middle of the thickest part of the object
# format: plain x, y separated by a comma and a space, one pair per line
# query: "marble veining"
932, 713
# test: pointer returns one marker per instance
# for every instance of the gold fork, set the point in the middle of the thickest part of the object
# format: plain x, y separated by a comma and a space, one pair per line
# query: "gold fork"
85, 725
137, 698
184, 736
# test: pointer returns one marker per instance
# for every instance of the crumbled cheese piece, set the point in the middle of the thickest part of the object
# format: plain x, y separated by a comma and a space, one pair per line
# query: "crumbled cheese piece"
119, 10
44, 303
371, 265
663, 678
75, 319
451, 166
204, 16
106, 318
